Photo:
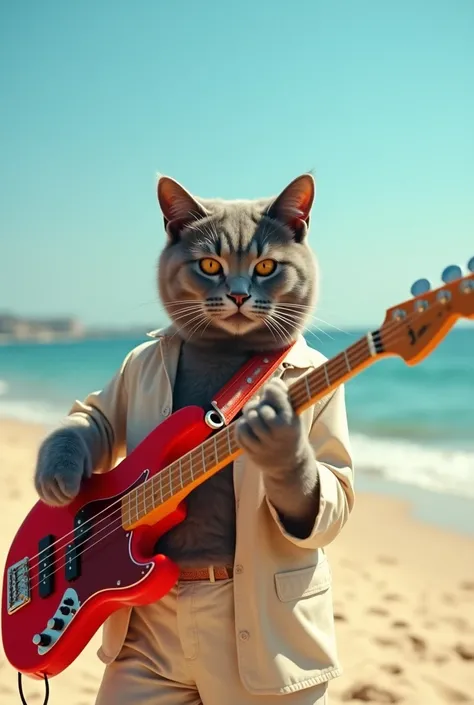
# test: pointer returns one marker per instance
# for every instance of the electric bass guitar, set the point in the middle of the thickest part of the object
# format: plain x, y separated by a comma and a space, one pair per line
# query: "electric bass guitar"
70, 568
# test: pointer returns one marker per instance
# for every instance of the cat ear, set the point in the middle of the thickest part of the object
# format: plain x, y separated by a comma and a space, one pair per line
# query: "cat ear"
179, 208
292, 207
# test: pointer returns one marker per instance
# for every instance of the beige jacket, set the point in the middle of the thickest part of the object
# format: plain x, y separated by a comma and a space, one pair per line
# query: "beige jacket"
282, 585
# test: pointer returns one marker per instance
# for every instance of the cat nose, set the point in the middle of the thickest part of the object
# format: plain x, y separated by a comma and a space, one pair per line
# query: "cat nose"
239, 299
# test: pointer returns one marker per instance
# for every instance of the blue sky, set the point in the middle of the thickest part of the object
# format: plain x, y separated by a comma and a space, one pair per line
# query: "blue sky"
233, 100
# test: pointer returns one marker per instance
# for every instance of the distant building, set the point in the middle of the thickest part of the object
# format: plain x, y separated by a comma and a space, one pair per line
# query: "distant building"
20, 328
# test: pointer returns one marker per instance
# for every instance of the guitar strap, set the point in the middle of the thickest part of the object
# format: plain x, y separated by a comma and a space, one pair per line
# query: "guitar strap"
243, 385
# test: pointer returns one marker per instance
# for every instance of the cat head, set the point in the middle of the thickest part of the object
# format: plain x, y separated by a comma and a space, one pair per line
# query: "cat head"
238, 273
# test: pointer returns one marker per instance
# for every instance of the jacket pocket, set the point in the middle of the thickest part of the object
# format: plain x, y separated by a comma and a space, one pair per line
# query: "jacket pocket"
303, 582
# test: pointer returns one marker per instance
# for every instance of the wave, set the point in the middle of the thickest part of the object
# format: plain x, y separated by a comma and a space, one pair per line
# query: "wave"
3, 387
446, 470
31, 412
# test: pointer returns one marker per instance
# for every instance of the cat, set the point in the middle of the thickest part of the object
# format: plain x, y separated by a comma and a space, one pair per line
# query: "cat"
235, 277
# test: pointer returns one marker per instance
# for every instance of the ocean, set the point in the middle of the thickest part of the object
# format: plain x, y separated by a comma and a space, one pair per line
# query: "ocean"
409, 425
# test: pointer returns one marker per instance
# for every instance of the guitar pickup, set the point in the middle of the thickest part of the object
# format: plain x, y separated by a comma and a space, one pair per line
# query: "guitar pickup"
82, 530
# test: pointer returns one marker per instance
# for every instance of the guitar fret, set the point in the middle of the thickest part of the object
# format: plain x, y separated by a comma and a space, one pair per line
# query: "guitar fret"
177, 476
346, 358
308, 390
326, 374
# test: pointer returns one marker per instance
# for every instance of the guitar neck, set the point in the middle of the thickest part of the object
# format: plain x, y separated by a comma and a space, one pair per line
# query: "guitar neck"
175, 481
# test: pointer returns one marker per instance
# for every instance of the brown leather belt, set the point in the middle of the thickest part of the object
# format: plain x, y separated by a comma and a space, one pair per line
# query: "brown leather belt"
212, 573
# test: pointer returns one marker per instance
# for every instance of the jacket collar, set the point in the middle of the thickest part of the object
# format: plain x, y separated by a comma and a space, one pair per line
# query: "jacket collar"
298, 356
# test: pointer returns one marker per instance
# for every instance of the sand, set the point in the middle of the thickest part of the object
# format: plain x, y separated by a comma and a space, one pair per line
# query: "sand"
403, 595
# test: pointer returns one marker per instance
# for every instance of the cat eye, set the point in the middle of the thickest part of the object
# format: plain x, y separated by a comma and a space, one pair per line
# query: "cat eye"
210, 266
265, 267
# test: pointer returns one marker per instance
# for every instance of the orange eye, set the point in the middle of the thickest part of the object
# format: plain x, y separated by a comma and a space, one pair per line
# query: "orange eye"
265, 267
210, 266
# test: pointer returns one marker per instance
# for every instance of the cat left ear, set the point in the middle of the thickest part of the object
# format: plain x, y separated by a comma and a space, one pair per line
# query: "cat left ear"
179, 208
293, 206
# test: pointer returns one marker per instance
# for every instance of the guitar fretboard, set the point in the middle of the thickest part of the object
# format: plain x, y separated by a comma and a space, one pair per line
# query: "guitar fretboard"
221, 449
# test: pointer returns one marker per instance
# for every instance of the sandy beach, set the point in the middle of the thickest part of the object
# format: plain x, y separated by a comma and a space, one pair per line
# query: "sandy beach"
403, 596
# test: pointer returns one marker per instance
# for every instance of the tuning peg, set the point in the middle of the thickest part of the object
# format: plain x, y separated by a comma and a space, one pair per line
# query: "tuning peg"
470, 264
421, 286
452, 272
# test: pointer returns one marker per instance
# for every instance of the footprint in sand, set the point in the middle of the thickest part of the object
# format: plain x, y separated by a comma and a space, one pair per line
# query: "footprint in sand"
448, 599
400, 624
4, 689
387, 560
467, 585
418, 644
379, 611
465, 651
392, 668
440, 659
339, 617
459, 623
392, 597
87, 690
386, 641
369, 693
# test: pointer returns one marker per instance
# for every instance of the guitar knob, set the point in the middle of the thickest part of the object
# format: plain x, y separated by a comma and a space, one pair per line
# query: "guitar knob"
64, 610
470, 264
41, 639
421, 286
69, 601
452, 272
56, 623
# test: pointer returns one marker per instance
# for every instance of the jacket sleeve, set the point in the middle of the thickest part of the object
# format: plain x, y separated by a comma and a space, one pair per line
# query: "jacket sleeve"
329, 437
101, 421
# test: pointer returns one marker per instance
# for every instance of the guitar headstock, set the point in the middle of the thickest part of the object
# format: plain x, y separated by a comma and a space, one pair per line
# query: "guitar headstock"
412, 329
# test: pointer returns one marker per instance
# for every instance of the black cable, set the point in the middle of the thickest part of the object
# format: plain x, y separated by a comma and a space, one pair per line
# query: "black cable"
46, 690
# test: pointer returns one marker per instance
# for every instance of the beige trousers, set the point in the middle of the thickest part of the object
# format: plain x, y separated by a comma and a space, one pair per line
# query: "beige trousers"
182, 651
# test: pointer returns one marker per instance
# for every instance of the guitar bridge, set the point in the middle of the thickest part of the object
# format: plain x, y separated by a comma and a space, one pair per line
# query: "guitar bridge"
18, 586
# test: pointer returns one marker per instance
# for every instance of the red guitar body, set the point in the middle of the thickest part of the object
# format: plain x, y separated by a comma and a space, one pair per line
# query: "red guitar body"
86, 592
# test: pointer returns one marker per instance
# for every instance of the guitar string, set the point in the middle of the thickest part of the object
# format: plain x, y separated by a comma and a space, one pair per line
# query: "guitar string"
108, 516
221, 439
169, 495
119, 525
183, 459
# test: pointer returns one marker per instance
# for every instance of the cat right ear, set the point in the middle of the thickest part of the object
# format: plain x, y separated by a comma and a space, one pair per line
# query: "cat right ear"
293, 206
179, 208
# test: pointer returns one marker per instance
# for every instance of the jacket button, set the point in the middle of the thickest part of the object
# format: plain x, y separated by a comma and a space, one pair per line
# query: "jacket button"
239, 568
244, 636
166, 411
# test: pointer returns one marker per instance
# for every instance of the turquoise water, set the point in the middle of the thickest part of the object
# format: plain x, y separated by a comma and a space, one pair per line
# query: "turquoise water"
413, 425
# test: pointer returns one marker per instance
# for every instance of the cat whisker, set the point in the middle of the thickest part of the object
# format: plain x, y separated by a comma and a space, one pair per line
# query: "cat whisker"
269, 328
202, 320
284, 333
297, 324
180, 314
316, 318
